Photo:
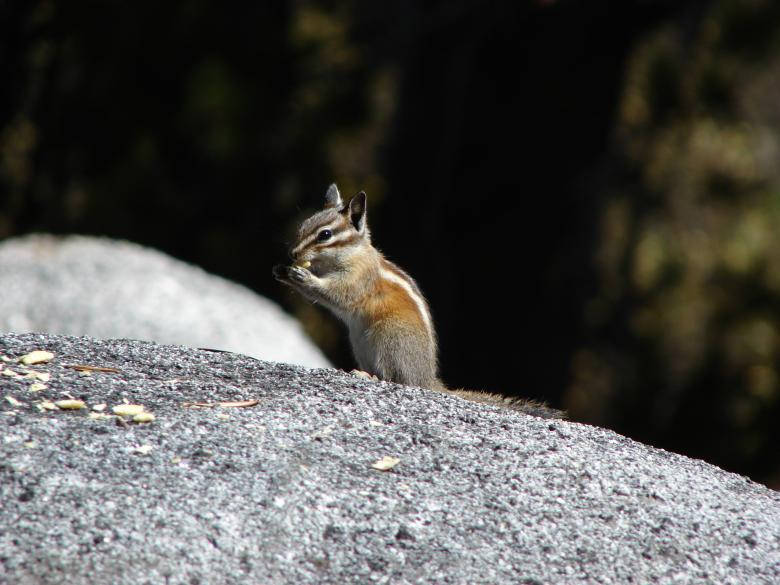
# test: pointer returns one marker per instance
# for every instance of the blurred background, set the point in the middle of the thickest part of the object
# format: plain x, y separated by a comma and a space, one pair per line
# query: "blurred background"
588, 192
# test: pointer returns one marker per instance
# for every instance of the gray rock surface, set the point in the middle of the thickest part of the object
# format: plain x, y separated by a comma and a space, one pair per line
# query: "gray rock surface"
284, 491
78, 285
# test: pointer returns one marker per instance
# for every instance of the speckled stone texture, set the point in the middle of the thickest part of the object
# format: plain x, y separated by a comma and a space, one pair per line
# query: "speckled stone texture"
78, 285
284, 491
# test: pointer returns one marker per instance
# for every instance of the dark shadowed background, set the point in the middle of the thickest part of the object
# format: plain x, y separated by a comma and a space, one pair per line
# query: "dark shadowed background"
588, 192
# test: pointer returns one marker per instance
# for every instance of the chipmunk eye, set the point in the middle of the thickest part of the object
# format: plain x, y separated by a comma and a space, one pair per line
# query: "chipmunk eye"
324, 235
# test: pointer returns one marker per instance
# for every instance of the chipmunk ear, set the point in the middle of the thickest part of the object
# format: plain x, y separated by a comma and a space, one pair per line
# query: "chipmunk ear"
357, 211
333, 197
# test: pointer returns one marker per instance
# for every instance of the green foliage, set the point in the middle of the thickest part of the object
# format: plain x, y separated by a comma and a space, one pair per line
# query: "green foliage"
685, 326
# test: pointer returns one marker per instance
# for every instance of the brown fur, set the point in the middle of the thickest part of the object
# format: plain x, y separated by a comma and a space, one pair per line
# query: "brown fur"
392, 335
524, 405
390, 301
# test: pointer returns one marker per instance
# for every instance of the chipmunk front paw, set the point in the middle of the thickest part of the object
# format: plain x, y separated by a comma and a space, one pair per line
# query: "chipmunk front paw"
296, 274
299, 274
366, 375
280, 272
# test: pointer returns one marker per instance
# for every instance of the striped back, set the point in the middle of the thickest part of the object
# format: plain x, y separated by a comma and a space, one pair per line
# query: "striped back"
392, 273
391, 329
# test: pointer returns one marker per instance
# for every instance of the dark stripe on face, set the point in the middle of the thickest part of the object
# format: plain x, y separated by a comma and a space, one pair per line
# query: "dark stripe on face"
313, 229
340, 243
319, 221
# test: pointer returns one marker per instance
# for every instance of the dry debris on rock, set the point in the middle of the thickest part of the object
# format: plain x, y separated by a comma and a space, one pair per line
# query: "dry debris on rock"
284, 491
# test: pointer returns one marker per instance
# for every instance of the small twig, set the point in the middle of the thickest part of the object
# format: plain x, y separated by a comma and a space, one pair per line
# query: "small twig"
83, 368
236, 404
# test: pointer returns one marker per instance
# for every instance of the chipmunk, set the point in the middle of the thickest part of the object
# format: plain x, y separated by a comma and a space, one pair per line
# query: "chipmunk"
390, 326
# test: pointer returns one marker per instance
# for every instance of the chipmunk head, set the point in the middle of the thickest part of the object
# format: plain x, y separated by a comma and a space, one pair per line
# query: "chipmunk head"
330, 237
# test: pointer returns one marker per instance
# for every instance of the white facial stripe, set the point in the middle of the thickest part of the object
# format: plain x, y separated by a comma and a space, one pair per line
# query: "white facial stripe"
345, 235
310, 238
393, 277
